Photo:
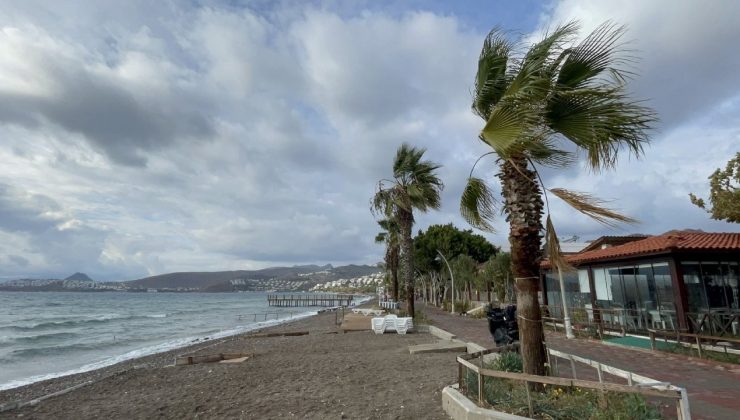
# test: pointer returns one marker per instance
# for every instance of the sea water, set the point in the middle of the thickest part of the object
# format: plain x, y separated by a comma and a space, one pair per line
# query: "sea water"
48, 334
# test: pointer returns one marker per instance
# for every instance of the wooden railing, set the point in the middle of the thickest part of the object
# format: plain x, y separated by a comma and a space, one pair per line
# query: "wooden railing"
716, 322
694, 339
637, 384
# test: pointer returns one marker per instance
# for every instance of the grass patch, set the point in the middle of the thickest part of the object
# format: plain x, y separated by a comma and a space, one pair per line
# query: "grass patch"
705, 354
554, 402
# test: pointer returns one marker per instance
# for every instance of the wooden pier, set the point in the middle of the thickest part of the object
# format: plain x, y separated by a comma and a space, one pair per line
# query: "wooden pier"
309, 300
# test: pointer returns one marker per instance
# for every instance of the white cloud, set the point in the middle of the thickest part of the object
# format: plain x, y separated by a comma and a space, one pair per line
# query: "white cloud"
162, 139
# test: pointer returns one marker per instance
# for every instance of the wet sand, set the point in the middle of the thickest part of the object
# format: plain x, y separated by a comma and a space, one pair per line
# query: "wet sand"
323, 375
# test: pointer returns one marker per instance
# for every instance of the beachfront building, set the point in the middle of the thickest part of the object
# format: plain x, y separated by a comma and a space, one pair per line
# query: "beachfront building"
681, 280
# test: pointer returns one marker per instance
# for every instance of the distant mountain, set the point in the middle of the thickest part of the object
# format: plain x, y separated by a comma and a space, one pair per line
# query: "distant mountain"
296, 278
301, 277
79, 277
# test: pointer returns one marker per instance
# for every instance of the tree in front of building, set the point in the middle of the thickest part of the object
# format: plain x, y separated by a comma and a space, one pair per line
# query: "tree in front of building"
543, 107
724, 192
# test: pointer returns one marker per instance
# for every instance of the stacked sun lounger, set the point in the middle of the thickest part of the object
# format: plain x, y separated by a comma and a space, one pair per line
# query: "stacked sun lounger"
367, 312
392, 323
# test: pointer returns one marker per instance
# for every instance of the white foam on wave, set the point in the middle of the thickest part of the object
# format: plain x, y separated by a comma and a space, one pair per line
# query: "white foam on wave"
158, 348
362, 299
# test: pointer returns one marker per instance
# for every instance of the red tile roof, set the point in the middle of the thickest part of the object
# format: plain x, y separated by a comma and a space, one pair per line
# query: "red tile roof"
674, 240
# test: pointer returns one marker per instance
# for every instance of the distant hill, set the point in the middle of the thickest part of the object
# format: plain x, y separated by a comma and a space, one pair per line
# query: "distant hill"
79, 277
296, 278
300, 277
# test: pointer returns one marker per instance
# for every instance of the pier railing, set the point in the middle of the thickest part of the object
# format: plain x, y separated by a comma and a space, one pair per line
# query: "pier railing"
285, 300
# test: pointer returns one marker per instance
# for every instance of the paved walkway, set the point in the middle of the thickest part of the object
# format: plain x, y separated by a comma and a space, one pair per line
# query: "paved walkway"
713, 388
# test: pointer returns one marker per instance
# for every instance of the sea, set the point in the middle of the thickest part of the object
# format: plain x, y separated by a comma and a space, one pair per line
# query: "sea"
44, 335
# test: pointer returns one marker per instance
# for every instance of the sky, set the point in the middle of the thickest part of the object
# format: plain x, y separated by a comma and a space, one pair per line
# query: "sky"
139, 137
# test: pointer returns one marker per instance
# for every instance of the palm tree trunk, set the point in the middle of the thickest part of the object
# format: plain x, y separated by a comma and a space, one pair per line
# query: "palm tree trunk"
523, 206
405, 222
394, 272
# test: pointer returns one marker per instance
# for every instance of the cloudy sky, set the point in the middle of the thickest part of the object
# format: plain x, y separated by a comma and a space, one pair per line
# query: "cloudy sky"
140, 137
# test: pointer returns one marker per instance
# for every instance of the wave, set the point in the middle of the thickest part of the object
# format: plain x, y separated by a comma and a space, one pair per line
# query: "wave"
35, 339
98, 319
158, 348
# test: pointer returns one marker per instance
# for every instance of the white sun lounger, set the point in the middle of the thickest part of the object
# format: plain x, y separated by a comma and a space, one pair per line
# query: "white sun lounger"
404, 324
367, 312
378, 325
391, 323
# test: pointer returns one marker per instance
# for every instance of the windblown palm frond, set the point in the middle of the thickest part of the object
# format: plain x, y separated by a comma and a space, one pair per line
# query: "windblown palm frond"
491, 80
552, 248
591, 207
477, 204
599, 52
575, 92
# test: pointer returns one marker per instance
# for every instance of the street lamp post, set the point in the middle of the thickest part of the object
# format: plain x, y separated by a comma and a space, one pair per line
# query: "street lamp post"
566, 317
452, 278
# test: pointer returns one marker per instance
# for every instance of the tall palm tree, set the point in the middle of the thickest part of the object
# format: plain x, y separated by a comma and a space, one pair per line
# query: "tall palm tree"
544, 107
390, 237
414, 186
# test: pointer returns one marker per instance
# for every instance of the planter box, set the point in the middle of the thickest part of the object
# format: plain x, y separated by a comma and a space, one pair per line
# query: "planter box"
459, 407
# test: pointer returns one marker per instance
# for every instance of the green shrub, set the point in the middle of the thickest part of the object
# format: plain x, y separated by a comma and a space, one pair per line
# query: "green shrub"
509, 362
554, 402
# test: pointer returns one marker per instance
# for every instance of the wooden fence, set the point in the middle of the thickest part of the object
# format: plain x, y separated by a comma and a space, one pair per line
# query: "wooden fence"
637, 384
695, 340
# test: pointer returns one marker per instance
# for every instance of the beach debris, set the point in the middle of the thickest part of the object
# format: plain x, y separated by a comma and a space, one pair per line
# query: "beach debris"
211, 358
276, 334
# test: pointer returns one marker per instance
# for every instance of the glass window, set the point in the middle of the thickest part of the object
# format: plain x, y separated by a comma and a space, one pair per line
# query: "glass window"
694, 287
663, 286
732, 277
583, 281
646, 287
714, 284
602, 284
629, 283
617, 289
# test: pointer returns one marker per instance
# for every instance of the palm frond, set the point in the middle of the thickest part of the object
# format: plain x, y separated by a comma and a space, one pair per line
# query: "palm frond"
591, 207
491, 79
599, 54
477, 205
530, 74
545, 152
381, 237
600, 120
552, 248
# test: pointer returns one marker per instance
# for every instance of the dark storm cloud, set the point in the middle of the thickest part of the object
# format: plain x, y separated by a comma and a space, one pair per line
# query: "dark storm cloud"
108, 116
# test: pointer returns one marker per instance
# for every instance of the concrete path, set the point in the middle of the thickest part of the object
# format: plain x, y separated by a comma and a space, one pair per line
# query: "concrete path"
713, 388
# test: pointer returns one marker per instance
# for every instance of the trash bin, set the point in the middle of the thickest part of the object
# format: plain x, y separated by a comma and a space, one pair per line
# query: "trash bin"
502, 324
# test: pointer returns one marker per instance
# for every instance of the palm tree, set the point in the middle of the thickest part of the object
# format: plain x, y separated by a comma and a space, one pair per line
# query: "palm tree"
389, 237
544, 107
414, 186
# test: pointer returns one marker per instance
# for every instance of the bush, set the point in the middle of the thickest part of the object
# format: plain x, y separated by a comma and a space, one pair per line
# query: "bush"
554, 402
509, 362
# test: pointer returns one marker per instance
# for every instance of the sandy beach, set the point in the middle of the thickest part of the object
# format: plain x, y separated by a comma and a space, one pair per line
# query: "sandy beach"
325, 374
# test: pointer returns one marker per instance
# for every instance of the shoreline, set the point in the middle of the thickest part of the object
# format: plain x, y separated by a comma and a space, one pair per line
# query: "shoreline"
152, 350
322, 374
160, 348
63, 380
